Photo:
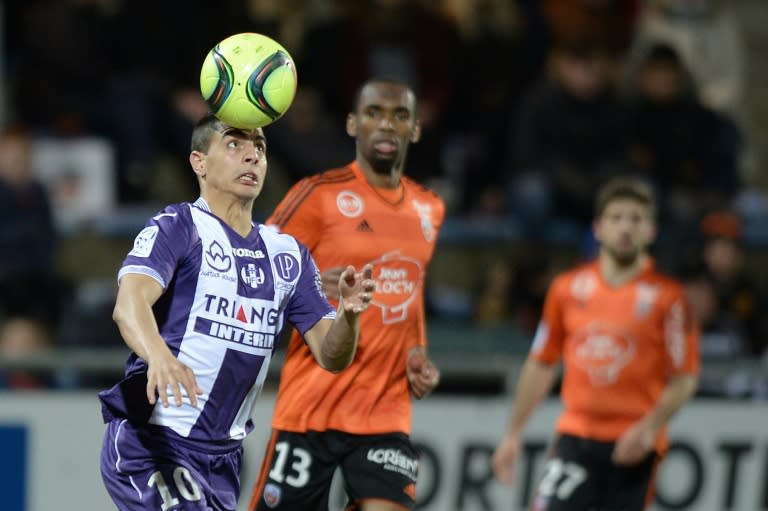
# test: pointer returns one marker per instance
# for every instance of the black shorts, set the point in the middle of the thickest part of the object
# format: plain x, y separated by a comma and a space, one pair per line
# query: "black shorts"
580, 476
298, 469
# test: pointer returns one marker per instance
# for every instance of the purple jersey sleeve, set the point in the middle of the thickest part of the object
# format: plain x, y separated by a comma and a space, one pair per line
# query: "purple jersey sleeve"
308, 305
161, 245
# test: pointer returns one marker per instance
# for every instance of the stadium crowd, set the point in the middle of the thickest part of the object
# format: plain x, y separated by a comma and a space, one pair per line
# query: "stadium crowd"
527, 105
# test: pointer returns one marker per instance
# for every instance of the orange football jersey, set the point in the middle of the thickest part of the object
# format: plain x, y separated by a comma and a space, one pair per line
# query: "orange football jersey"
619, 345
344, 220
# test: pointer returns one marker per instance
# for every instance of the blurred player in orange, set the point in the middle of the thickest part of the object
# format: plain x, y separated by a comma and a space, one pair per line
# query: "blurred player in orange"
359, 421
629, 348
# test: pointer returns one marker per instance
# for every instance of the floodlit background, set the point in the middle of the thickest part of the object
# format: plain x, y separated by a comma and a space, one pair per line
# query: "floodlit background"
526, 105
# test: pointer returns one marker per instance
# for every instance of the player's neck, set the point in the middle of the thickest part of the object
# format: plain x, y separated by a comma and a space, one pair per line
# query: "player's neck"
237, 214
617, 274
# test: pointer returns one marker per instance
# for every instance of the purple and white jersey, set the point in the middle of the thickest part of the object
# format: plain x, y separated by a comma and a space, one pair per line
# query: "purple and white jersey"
226, 299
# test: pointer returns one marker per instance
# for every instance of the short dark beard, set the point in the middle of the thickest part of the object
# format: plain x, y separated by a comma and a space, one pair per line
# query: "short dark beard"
624, 260
383, 167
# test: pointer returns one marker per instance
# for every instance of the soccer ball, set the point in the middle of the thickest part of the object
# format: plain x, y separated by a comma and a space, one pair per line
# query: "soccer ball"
248, 80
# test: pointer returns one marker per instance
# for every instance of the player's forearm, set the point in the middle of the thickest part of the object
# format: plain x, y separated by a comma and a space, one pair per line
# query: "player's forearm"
674, 396
340, 344
535, 383
138, 327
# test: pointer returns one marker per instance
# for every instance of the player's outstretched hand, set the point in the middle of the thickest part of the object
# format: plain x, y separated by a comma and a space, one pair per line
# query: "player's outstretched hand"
422, 374
167, 372
504, 459
356, 288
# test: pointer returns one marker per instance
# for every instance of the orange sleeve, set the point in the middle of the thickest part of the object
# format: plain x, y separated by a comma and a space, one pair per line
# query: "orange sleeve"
681, 335
549, 339
300, 213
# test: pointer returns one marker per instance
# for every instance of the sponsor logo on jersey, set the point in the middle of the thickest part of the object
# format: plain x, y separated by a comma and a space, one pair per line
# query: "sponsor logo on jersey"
349, 203
245, 313
603, 351
144, 241
252, 275
424, 210
364, 226
232, 333
216, 258
273, 494
397, 281
247, 252
286, 265
394, 460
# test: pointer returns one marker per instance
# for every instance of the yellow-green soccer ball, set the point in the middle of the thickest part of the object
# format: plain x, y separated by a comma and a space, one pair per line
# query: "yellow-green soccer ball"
248, 80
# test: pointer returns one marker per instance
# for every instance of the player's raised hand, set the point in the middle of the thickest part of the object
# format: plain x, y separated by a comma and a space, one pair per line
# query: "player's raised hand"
167, 372
356, 288
422, 374
505, 457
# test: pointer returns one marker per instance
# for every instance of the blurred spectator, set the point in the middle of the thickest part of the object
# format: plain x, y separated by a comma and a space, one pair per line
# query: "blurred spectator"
22, 338
307, 139
512, 290
286, 21
406, 40
52, 89
571, 134
154, 90
730, 303
487, 83
708, 36
687, 150
613, 21
30, 290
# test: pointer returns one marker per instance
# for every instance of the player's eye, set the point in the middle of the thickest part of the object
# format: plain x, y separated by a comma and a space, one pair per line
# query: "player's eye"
403, 116
233, 144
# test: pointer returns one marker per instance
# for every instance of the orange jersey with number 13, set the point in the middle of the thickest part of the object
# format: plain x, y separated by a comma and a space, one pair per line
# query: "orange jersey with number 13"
344, 220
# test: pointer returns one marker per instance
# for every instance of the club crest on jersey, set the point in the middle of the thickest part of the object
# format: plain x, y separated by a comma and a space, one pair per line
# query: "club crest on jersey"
583, 286
273, 494
349, 203
424, 210
252, 275
216, 258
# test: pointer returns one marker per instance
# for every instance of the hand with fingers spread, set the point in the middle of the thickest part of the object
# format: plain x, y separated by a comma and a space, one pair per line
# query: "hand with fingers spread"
422, 374
356, 288
167, 376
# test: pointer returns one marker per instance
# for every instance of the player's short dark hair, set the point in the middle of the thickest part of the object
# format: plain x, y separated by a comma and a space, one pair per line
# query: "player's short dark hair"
378, 79
625, 188
204, 130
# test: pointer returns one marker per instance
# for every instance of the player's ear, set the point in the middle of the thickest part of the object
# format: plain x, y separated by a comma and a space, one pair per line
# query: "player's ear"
351, 125
416, 132
197, 161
